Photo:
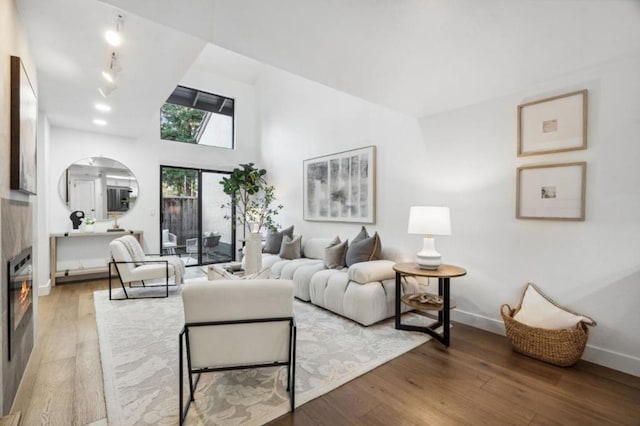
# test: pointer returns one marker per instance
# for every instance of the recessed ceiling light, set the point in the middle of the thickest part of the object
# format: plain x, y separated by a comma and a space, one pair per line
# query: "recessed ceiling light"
99, 122
103, 107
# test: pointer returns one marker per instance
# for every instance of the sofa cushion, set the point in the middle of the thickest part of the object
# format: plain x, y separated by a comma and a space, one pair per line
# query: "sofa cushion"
291, 248
274, 240
364, 250
376, 270
313, 248
335, 254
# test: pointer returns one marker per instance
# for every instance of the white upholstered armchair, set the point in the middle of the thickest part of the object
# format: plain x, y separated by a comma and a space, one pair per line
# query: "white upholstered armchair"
236, 324
132, 265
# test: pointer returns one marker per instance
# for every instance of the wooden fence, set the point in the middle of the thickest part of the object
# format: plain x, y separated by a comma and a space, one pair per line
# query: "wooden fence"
180, 216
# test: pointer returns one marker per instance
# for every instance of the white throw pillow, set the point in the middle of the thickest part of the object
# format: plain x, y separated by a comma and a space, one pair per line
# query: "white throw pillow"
537, 311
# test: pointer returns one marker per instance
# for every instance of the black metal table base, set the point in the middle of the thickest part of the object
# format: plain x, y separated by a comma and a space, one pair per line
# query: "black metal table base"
443, 315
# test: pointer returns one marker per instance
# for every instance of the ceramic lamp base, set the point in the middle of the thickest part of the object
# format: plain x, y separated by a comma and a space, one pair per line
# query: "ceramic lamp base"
428, 257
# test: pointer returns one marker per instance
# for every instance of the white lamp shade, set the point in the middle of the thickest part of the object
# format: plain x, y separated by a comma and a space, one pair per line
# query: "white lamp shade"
429, 220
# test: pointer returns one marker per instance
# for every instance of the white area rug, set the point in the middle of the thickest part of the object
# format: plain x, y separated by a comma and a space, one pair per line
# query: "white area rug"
139, 351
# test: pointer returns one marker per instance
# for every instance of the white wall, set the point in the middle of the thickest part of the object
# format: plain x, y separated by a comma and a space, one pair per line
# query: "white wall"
593, 267
144, 156
43, 201
13, 41
301, 119
466, 159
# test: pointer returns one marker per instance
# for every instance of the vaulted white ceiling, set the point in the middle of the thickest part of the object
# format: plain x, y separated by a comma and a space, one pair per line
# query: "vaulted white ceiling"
66, 38
414, 56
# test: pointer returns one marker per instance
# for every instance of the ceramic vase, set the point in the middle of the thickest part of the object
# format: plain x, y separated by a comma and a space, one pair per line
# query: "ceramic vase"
253, 253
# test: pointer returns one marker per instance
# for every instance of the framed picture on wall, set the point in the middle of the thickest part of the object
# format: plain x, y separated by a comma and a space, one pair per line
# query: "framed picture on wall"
341, 187
24, 119
554, 124
551, 192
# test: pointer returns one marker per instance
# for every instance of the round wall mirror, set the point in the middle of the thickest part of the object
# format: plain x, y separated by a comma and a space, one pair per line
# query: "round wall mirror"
100, 187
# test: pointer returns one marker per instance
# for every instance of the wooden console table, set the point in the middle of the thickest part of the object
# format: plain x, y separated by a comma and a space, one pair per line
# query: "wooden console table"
53, 249
443, 273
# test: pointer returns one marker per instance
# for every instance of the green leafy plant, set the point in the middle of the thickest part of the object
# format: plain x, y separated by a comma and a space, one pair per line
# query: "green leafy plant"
180, 123
252, 198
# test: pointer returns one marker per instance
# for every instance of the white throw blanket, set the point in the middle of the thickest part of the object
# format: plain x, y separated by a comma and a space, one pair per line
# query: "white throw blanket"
176, 262
138, 256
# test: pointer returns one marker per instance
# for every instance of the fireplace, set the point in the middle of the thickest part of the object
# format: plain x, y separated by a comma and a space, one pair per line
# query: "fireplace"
20, 297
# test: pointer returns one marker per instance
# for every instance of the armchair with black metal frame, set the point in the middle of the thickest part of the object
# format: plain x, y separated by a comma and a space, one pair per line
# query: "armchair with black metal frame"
235, 325
133, 265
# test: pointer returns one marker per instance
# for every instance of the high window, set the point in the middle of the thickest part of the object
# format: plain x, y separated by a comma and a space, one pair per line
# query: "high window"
198, 117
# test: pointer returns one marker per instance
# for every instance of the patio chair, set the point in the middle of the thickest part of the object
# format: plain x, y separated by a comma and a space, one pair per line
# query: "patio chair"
169, 242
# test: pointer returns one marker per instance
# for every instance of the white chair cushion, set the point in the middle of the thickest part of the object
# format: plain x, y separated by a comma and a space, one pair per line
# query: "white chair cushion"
238, 344
150, 271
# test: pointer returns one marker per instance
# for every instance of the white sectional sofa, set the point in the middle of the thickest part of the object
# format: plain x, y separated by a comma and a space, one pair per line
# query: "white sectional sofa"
364, 292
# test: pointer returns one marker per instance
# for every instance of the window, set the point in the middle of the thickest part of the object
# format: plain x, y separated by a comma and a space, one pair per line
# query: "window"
197, 117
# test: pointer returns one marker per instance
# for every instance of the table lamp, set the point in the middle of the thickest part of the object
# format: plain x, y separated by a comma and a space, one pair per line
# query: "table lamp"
429, 220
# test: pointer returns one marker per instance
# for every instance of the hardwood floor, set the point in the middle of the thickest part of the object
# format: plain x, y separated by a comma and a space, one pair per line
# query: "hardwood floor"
478, 380
63, 381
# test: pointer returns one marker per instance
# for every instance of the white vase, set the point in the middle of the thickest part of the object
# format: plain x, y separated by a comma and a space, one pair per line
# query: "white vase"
253, 253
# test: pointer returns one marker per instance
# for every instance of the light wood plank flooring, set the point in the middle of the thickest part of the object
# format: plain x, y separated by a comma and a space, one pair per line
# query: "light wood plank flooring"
478, 380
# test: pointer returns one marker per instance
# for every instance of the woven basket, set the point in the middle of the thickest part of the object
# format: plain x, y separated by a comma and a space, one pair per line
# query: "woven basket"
558, 347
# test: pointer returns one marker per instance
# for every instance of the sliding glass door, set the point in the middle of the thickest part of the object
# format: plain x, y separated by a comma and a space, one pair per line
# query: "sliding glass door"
196, 220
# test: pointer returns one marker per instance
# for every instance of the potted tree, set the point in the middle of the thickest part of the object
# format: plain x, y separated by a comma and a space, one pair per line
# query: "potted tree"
252, 198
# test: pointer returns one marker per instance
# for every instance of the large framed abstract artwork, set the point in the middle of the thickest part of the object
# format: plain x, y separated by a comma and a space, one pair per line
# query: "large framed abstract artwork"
24, 119
341, 187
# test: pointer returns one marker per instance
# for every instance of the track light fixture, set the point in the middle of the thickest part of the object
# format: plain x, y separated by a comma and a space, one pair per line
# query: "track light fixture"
114, 38
106, 90
114, 69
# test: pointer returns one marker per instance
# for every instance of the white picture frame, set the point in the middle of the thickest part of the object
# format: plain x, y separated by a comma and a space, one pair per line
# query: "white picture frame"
556, 124
551, 191
341, 187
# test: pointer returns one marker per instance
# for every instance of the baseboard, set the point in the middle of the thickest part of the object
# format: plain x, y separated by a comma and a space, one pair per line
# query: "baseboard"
615, 360
45, 289
607, 358
478, 321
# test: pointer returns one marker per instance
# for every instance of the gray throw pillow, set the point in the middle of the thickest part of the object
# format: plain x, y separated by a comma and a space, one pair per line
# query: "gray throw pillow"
334, 255
290, 249
274, 240
361, 235
364, 250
